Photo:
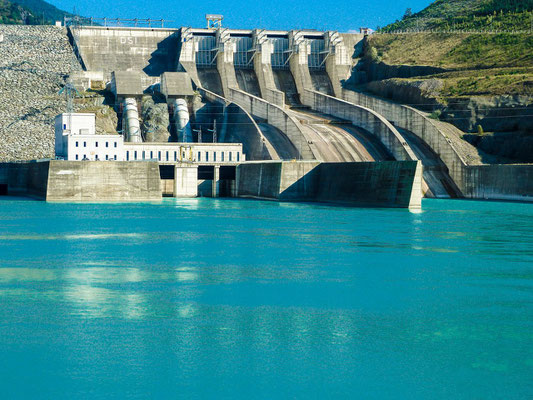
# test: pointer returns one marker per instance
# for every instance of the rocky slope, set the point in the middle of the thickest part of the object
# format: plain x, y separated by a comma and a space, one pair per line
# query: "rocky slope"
34, 63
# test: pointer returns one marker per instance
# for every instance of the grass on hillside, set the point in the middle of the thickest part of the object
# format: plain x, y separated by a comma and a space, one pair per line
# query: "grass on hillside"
488, 82
455, 51
510, 15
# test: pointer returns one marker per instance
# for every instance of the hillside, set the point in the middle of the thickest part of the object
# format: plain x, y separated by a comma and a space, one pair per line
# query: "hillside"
445, 15
11, 13
467, 62
29, 12
42, 9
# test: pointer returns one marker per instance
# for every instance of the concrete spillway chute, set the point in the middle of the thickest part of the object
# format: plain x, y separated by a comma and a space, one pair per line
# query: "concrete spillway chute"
133, 128
181, 118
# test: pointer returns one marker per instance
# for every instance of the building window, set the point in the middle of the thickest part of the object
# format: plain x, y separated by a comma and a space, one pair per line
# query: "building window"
96, 157
84, 144
238, 154
106, 157
167, 155
77, 144
206, 156
64, 126
222, 156
151, 155
159, 155
199, 156
214, 156
115, 156
175, 156
127, 156
229, 154
143, 155
77, 157
115, 144
96, 144
135, 155
106, 144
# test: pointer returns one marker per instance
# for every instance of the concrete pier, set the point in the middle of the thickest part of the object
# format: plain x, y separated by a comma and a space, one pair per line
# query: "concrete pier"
186, 181
263, 68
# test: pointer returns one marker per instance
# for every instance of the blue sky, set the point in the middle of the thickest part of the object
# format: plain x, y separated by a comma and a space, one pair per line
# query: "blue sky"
341, 15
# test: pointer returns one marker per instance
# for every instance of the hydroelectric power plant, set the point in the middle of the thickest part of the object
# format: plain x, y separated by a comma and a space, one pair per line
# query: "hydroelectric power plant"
213, 213
243, 113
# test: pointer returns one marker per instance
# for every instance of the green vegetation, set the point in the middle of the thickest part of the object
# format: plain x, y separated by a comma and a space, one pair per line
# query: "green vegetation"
478, 64
455, 50
43, 10
29, 12
11, 13
483, 15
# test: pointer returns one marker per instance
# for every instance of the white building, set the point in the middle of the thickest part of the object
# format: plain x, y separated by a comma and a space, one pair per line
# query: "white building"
76, 140
198, 153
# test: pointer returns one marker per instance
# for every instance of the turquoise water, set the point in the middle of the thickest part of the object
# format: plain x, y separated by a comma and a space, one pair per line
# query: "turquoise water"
246, 299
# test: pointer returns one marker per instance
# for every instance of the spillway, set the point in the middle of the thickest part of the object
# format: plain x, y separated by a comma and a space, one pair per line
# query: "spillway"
321, 82
247, 80
337, 141
281, 143
285, 82
210, 80
435, 171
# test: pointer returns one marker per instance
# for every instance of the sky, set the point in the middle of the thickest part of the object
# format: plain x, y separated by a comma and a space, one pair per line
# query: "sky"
340, 15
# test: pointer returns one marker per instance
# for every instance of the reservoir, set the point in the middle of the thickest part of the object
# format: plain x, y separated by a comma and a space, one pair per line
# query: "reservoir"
223, 298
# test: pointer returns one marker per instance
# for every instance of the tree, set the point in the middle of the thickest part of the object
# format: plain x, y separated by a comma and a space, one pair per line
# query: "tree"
408, 13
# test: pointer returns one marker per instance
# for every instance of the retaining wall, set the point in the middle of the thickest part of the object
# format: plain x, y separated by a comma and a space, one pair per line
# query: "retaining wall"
370, 184
25, 178
499, 182
85, 181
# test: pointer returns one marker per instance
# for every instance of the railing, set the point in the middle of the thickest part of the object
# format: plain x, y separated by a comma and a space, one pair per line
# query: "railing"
117, 22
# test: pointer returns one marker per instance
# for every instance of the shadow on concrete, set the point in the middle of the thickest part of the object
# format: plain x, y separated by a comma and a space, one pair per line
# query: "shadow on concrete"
164, 58
368, 184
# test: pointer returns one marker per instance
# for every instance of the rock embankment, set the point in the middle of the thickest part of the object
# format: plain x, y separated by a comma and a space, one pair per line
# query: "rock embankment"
34, 63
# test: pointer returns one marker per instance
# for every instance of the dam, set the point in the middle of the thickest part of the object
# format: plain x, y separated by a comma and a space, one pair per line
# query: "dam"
253, 113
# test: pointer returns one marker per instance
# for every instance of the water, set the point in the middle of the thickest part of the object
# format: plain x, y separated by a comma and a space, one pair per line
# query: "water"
244, 299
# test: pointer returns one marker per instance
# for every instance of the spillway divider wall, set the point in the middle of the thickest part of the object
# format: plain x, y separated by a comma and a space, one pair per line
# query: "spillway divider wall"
365, 118
256, 146
275, 116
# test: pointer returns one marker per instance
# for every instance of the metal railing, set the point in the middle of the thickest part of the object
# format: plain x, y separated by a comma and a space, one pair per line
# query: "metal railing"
118, 22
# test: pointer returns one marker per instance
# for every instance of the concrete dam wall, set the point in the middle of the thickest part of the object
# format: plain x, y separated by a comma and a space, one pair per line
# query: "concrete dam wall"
125, 49
377, 184
88, 181
494, 181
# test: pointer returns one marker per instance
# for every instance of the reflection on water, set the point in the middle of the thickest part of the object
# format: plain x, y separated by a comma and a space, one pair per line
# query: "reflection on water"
233, 298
